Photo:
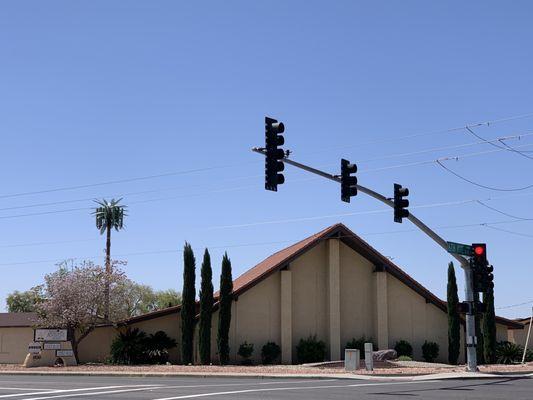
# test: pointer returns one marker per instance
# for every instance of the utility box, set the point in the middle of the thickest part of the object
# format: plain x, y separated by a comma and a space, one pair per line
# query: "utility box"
369, 356
352, 359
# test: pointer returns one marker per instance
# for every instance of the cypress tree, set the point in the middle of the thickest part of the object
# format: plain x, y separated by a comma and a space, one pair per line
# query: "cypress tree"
454, 322
206, 309
224, 313
188, 308
489, 328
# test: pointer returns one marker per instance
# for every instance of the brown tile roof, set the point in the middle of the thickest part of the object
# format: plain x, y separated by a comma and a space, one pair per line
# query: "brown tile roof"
17, 320
282, 258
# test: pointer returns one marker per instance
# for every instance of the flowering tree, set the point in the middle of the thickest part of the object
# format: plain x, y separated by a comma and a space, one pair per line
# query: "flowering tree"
75, 299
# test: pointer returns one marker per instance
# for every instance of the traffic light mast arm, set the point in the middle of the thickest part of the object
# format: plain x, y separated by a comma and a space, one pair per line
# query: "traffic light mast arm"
419, 224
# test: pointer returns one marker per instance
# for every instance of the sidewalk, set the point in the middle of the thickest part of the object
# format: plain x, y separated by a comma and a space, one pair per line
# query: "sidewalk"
274, 372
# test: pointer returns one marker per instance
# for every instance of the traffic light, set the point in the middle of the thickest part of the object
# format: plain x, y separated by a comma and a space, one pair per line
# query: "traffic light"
348, 182
274, 155
483, 279
400, 204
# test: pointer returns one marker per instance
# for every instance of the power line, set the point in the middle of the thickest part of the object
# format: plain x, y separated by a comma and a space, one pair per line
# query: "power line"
230, 189
510, 232
421, 206
504, 147
433, 161
123, 194
499, 211
112, 182
196, 170
170, 251
430, 133
515, 305
481, 185
458, 146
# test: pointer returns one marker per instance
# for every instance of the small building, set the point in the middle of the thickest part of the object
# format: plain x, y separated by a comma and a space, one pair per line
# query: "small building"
16, 333
333, 285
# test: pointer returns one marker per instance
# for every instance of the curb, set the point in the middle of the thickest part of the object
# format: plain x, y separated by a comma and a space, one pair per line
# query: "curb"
429, 377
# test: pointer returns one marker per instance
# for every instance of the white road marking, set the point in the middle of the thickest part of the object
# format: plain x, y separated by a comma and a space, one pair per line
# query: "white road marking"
96, 393
251, 383
48, 391
191, 396
26, 388
150, 387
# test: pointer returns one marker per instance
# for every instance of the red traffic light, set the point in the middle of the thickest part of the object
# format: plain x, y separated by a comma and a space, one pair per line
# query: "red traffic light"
479, 250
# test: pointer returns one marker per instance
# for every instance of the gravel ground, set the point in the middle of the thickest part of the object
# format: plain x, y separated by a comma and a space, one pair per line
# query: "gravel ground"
414, 369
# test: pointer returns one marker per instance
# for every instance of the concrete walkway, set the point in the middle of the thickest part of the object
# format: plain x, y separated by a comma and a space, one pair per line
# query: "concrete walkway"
375, 377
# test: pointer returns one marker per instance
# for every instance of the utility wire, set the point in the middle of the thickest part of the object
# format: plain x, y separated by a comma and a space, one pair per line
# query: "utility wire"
430, 133
433, 161
172, 251
458, 146
481, 185
184, 172
124, 194
134, 179
499, 211
515, 305
510, 232
449, 203
504, 146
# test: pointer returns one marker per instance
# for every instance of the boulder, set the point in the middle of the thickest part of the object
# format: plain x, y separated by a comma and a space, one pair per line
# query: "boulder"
384, 355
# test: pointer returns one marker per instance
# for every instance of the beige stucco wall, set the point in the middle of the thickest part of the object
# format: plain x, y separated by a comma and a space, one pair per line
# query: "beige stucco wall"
357, 296
309, 296
170, 324
14, 344
411, 318
519, 336
95, 347
255, 318
501, 333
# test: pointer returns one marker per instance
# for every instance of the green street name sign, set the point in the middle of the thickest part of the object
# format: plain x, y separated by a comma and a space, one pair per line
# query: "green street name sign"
459, 248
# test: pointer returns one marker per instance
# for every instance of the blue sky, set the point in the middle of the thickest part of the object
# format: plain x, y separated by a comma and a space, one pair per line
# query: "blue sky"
102, 91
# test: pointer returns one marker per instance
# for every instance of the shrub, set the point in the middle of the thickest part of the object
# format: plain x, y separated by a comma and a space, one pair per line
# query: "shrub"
405, 358
129, 347
245, 351
135, 347
430, 351
529, 355
157, 346
310, 350
359, 344
508, 353
270, 353
403, 348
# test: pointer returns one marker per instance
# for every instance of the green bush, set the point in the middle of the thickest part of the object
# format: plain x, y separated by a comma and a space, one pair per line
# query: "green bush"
270, 353
359, 344
157, 346
129, 347
430, 351
245, 351
135, 347
403, 348
310, 350
529, 356
405, 358
508, 353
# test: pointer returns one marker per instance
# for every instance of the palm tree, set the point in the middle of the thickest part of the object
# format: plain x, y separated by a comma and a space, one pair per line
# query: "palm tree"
109, 215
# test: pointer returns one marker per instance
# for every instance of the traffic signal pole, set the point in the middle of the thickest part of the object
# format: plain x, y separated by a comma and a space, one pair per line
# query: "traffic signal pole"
469, 293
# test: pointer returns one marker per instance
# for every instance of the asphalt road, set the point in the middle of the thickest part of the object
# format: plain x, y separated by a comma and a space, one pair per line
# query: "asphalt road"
27, 387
